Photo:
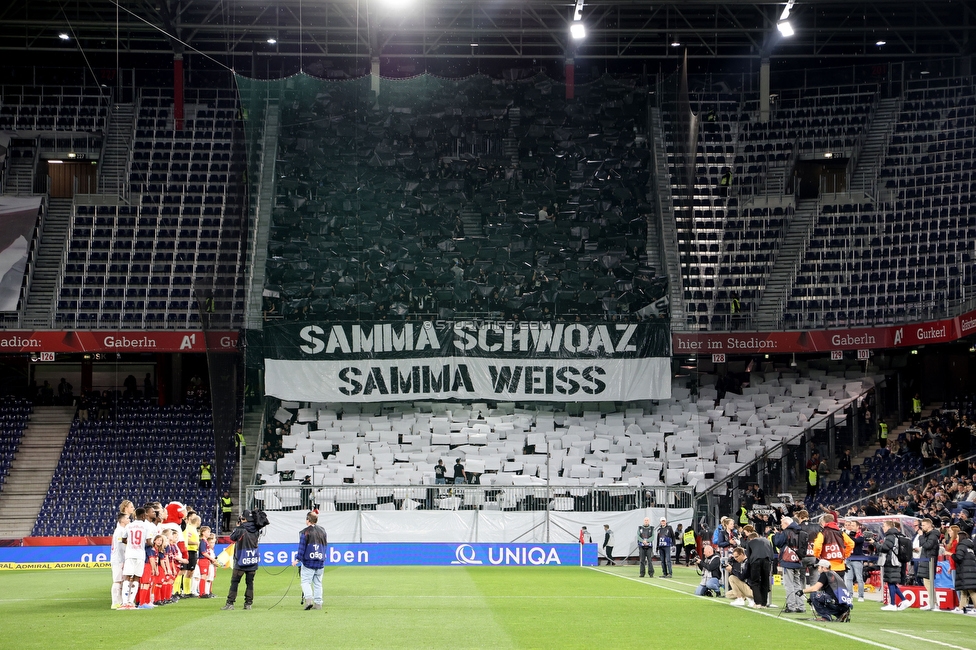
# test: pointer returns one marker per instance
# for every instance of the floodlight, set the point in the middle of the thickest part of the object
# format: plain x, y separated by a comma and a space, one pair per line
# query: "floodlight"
577, 30
272, 40
675, 43
64, 36
880, 43
785, 28
786, 11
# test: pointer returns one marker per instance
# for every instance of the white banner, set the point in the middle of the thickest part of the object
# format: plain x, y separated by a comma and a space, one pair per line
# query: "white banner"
472, 526
575, 380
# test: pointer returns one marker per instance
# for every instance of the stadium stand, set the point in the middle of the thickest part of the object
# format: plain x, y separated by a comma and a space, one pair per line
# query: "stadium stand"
704, 437
180, 238
53, 108
14, 415
147, 453
432, 206
730, 236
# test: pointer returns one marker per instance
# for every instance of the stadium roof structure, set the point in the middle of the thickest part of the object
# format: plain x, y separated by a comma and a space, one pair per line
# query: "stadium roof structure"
492, 29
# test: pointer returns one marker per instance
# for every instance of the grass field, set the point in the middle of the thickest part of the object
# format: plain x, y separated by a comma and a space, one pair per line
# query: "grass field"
453, 607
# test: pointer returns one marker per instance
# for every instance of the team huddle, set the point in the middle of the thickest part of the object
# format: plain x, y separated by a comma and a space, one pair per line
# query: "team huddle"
160, 555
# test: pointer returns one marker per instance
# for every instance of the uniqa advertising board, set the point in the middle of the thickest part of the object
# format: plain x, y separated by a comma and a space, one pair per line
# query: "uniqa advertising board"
438, 554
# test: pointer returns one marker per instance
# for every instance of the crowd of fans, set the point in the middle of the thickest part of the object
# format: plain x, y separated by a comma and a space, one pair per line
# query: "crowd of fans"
471, 196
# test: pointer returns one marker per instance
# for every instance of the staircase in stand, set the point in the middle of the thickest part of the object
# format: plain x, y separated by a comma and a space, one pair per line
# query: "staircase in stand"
774, 297
872, 151
20, 173
40, 299
32, 470
115, 155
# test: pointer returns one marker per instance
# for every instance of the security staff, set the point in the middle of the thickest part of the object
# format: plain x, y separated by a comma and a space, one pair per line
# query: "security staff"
241, 444
883, 433
916, 408
689, 542
812, 481
225, 507
206, 475
743, 515
645, 547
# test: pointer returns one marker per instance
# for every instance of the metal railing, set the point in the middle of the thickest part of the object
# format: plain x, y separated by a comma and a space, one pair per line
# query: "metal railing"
525, 498
779, 451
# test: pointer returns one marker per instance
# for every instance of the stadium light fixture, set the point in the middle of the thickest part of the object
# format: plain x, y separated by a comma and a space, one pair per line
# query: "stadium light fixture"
881, 43
675, 42
784, 26
577, 30
64, 36
272, 40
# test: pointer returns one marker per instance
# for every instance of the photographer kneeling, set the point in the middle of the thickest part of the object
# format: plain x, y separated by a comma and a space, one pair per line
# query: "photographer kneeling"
738, 571
711, 569
830, 597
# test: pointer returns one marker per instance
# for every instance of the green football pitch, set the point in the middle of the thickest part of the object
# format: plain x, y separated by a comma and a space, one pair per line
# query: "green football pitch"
451, 607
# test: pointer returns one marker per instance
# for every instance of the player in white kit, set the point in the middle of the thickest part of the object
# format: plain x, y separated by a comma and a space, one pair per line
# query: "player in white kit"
117, 558
137, 534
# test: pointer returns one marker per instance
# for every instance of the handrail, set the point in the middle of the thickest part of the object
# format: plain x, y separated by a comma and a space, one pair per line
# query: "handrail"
781, 446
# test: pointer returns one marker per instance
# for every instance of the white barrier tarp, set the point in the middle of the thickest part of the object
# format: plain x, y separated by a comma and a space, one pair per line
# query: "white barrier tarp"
471, 526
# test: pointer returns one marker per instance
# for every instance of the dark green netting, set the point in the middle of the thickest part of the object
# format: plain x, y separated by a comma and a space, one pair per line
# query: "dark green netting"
425, 200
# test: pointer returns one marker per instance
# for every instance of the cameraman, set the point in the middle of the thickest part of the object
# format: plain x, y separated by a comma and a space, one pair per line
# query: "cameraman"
711, 568
312, 543
830, 598
246, 557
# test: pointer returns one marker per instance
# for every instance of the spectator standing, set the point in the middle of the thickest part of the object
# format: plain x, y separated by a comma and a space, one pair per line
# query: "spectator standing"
760, 554
312, 544
855, 563
965, 559
440, 473
608, 544
844, 465
809, 561
890, 552
64, 392
679, 533
791, 543
929, 544
459, 474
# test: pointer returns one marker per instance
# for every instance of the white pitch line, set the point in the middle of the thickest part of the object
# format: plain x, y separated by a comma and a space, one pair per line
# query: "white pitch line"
920, 638
755, 611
